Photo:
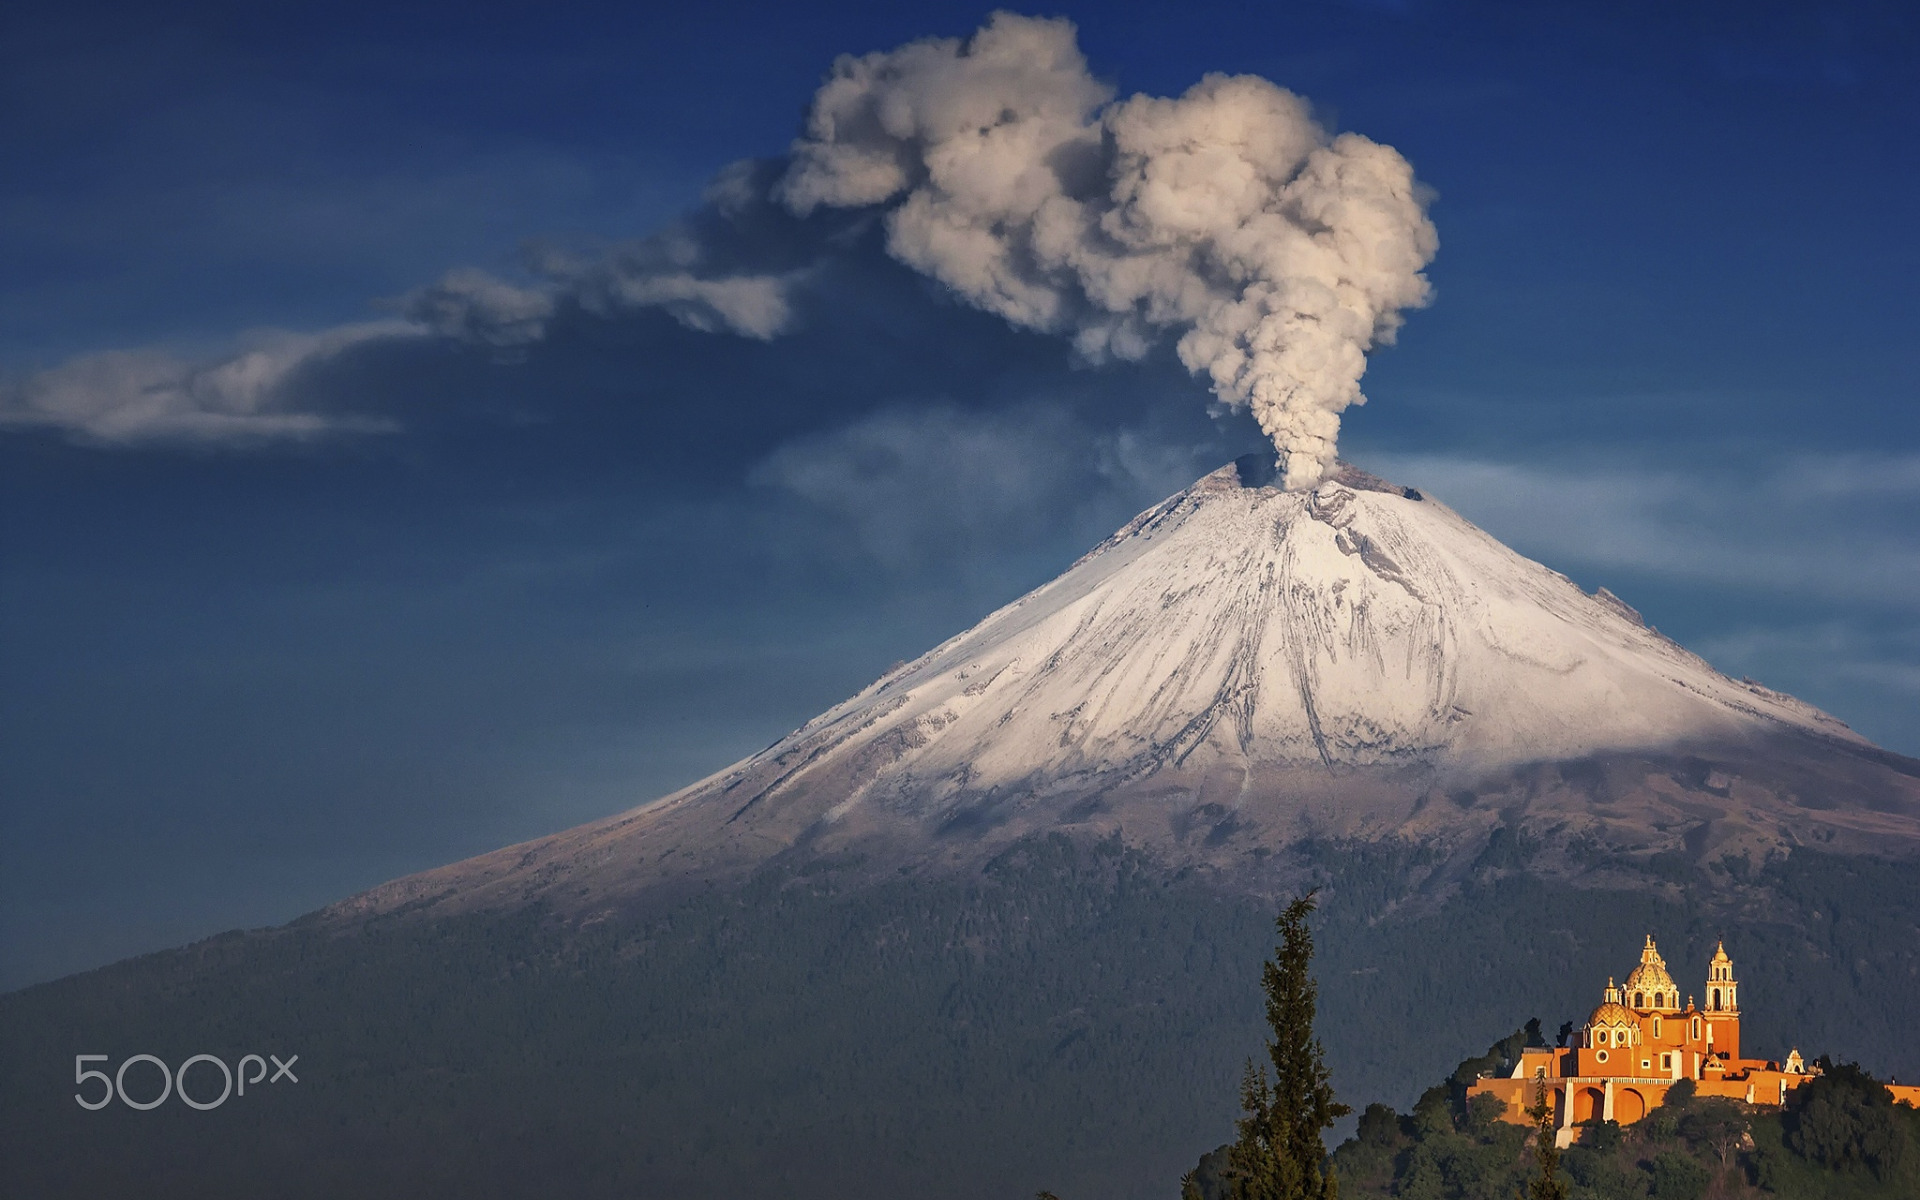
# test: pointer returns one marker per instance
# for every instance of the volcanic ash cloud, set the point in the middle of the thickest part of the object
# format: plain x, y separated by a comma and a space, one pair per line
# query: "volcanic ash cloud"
1279, 254
1275, 254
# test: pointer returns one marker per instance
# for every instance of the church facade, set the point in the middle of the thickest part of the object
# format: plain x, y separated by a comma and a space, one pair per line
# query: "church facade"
1641, 1041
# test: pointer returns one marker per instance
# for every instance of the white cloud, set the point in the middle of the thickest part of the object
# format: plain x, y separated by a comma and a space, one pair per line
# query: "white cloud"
475, 306
123, 397
754, 306
940, 484
1837, 655
666, 271
1835, 526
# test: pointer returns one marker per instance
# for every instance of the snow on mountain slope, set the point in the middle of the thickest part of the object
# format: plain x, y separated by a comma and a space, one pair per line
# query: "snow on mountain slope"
1355, 624
1241, 666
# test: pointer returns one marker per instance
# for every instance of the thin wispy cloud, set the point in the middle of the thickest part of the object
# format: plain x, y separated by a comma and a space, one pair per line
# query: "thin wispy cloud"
1840, 654
125, 397
936, 487
1843, 527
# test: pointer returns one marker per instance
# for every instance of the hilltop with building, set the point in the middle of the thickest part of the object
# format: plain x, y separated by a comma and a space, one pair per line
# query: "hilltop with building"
1641, 1041
1649, 1097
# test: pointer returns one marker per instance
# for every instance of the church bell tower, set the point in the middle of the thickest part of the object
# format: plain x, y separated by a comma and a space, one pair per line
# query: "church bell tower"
1723, 993
1722, 1009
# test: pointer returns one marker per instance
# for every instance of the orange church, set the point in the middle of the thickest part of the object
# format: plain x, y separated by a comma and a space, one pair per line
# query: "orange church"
1640, 1042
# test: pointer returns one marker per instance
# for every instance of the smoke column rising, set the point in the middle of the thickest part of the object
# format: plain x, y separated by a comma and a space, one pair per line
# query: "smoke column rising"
1276, 255
1280, 255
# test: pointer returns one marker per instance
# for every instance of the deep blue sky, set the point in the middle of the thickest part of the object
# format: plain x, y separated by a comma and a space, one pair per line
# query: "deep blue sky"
1671, 352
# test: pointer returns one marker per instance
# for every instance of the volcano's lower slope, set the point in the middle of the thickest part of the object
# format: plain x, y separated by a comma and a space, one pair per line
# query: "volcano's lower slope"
995, 923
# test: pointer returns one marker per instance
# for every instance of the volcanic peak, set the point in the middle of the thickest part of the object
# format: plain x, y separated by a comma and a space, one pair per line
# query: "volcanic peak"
1265, 665
1358, 623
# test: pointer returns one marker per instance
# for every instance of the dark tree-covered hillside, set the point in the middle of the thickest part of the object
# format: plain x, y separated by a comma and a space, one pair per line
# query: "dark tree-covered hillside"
1074, 1016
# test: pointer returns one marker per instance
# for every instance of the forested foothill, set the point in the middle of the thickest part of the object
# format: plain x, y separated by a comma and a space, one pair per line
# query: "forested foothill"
1074, 1016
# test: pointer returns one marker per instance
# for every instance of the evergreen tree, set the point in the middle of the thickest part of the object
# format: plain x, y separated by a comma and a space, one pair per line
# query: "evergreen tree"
1279, 1154
1546, 1152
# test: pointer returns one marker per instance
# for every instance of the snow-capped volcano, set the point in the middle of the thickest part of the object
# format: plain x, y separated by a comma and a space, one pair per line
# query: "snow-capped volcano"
1354, 624
1240, 664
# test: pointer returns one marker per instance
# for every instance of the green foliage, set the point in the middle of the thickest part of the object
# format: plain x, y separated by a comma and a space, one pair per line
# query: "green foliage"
1846, 1121
1678, 1176
1458, 1165
1209, 1178
1279, 1153
1434, 1113
1379, 1126
1717, 1125
1604, 1176
1484, 1112
1781, 1171
1547, 1185
1603, 1137
1447, 1149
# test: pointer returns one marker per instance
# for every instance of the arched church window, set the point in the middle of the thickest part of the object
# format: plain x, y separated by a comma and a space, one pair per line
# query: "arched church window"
1639, 999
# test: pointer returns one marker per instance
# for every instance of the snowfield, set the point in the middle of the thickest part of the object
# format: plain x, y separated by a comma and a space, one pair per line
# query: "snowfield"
1241, 668
1357, 623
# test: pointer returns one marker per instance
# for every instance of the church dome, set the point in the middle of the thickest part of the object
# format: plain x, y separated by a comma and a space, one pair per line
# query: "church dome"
1649, 977
1613, 1014
1649, 985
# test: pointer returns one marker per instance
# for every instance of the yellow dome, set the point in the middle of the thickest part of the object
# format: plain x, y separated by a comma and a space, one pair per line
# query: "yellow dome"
1720, 955
1651, 981
1649, 977
1613, 1014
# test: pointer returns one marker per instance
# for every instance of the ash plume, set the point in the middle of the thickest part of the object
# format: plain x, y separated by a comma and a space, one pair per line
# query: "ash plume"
1275, 254
1278, 254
